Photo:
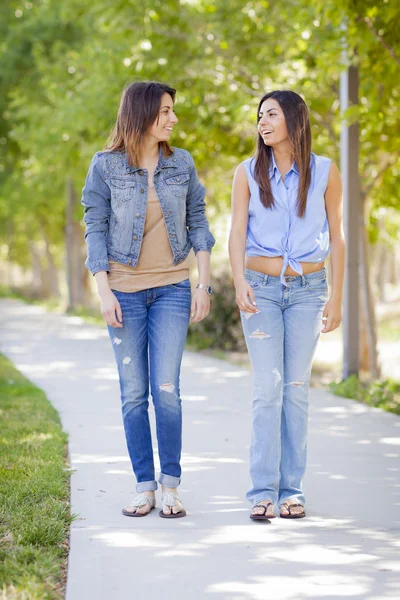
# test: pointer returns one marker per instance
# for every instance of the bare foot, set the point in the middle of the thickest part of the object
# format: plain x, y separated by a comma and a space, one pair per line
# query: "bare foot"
259, 510
292, 508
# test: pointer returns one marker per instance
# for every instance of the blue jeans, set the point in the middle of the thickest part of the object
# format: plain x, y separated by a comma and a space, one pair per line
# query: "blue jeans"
281, 339
149, 346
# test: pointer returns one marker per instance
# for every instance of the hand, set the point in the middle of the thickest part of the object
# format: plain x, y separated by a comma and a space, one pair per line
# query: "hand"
245, 298
332, 315
200, 305
111, 310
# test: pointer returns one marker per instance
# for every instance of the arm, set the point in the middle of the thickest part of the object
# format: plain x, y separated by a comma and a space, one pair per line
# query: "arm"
97, 210
237, 240
96, 202
334, 211
201, 240
201, 300
196, 221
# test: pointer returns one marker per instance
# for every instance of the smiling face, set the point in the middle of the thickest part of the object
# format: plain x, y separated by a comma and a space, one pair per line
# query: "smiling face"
162, 127
272, 123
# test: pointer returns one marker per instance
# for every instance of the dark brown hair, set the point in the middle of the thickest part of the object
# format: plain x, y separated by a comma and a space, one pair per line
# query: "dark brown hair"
299, 132
139, 108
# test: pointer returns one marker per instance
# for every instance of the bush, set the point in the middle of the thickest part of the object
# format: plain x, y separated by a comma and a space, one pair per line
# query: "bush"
381, 394
222, 329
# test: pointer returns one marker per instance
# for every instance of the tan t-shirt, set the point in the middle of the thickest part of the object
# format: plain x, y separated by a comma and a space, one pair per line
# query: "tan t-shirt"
155, 266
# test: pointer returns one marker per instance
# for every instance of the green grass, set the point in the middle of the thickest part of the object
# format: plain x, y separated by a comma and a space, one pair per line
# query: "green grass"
381, 394
34, 492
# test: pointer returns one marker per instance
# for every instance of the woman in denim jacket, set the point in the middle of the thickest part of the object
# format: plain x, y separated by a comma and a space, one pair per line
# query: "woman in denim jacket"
144, 211
287, 215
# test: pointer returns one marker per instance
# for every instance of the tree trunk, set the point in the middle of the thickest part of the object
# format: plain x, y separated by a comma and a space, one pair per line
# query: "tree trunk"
51, 271
75, 252
394, 267
368, 335
36, 287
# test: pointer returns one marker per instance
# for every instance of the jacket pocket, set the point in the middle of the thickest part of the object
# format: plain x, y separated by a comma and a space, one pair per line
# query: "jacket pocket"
122, 189
178, 184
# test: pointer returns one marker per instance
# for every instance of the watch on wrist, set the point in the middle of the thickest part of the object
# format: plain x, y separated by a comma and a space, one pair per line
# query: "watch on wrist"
206, 288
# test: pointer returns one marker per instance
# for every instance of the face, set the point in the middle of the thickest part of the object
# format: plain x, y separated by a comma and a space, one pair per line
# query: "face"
162, 127
272, 124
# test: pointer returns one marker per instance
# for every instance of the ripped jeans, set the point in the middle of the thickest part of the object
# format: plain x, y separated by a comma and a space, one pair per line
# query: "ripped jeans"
148, 349
281, 339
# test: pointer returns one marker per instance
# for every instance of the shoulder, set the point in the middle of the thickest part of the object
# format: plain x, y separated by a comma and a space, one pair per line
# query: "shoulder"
325, 170
320, 161
182, 156
246, 167
242, 174
102, 158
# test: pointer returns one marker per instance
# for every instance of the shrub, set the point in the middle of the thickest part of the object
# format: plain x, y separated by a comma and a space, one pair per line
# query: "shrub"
222, 328
381, 394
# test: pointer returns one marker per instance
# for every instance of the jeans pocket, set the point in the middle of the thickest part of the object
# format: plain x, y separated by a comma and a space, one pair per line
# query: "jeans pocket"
182, 285
253, 284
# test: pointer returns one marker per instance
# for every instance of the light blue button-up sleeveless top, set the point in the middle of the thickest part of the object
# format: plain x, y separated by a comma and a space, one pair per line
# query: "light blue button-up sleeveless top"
278, 231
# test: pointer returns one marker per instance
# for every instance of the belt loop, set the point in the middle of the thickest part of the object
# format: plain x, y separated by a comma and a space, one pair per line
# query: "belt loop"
266, 279
303, 281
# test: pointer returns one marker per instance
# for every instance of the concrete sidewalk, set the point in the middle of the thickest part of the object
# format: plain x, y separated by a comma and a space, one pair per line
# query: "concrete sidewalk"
348, 547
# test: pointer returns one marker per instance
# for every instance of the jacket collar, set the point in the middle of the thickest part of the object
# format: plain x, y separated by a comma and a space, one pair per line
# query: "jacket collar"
163, 162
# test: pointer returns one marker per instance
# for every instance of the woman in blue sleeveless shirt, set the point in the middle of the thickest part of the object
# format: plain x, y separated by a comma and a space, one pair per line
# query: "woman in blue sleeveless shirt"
286, 217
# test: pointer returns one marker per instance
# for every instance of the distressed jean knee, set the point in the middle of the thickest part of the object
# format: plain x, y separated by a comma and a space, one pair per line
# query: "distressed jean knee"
167, 395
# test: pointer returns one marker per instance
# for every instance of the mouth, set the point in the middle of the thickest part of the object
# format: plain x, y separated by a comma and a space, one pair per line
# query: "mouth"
266, 131
169, 129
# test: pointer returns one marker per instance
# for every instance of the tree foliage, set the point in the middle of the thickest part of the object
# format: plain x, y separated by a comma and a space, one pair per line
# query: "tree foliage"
63, 66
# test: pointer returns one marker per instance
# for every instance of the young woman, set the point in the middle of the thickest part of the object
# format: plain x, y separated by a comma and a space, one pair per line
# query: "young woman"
286, 214
144, 211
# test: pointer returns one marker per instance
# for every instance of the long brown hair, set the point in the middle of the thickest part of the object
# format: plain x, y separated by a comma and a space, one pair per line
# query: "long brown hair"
139, 108
299, 132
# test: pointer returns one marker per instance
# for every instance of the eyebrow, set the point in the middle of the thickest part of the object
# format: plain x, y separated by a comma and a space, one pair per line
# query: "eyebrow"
269, 110
166, 106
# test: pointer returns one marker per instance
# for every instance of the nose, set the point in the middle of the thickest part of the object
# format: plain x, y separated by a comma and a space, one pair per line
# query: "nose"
174, 118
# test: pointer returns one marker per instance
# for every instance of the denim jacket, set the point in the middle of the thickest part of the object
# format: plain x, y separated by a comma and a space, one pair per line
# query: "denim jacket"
115, 201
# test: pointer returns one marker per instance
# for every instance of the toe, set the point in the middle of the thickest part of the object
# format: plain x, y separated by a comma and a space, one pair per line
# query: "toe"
131, 510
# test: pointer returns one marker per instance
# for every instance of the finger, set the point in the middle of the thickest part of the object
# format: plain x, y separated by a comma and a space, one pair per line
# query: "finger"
111, 319
252, 296
193, 309
119, 312
335, 325
200, 314
106, 317
328, 325
203, 314
245, 305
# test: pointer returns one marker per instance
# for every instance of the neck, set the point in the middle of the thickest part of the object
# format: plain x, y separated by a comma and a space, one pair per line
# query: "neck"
150, 150
283, 152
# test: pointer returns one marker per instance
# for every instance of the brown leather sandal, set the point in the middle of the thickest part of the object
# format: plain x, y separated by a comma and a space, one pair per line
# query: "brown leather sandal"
264, 516
288, 506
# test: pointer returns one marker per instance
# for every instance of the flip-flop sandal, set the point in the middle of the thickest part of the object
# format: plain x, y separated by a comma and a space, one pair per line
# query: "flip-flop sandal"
140, 500
170, 500
290, 515
262, 517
